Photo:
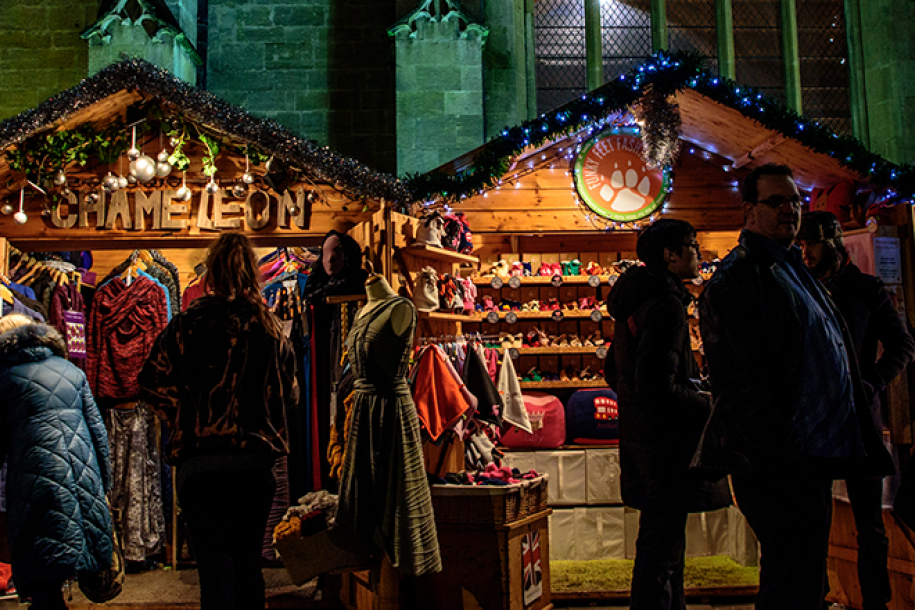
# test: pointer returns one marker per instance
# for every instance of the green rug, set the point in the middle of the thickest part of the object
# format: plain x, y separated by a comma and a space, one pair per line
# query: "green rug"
616, 574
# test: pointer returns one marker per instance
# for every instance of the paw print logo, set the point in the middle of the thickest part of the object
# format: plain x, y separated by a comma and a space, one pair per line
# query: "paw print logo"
627, 191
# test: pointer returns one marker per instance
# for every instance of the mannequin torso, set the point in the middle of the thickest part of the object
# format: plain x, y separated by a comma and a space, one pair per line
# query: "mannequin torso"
379, 291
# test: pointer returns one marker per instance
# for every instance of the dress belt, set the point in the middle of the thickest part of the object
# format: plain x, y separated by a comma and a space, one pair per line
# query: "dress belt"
397, 386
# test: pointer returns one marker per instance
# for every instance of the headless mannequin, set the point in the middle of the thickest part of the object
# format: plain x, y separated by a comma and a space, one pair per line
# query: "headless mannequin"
378, 291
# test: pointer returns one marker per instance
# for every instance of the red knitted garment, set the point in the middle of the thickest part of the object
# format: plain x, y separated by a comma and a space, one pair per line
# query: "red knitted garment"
123, 325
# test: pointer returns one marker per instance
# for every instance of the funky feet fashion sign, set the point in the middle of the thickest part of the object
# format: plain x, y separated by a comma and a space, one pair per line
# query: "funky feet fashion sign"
613, 181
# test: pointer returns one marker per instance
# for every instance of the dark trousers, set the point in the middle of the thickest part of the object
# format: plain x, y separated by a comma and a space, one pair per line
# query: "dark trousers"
46, 595
657, 577
790, 511
866, 497
226, 514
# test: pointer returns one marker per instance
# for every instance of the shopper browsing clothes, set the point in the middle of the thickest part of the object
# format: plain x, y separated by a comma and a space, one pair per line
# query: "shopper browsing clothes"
661, 410
872, 319
786, 387
54, 440
221, 375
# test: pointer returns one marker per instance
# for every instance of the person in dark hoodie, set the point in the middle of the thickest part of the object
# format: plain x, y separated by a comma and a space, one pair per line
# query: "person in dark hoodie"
872, 321
54, 440
661, 409
222, 376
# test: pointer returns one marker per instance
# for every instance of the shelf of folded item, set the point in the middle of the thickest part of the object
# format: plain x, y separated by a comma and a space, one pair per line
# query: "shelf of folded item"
553, 385
441, 315
540, 280
543, 351
541, 315
440, 254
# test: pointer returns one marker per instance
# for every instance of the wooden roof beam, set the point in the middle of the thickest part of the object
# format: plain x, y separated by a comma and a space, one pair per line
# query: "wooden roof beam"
759, 150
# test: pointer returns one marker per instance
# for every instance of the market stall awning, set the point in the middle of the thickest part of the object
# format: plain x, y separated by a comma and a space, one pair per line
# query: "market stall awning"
520, 181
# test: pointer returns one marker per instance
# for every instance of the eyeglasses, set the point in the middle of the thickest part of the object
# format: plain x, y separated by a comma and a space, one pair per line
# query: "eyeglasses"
777, 201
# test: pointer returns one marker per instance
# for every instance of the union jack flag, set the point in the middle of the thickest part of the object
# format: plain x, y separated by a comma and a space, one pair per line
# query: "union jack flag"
533, 568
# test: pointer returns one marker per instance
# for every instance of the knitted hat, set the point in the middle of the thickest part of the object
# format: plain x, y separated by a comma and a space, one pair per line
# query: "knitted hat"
820, 226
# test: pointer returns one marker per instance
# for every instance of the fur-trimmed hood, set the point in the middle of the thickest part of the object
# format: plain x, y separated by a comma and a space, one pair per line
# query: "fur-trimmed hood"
31, 343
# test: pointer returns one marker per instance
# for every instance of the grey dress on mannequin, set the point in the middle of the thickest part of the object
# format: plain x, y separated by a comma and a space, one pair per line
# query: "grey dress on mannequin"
384, 495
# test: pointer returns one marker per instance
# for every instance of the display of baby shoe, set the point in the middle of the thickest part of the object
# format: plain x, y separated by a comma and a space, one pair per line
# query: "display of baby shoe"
426, 295
517, 269
546, 270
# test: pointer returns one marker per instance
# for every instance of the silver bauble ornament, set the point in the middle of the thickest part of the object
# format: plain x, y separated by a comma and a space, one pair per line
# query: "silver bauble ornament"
46, 212
247, 178
294, 210
163, 156
65, 192
187, 195
110, 182
92, 198
106, 189
60, 178
145, 168
239, 190
163, 169
20, 218
131, 179
311, 197
183, 193
212, 187
7, 209
133, 154
173, 141
122, 182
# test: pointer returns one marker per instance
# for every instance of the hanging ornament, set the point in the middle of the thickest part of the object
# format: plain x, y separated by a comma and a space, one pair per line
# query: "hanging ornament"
65, 191
311, 197
247, 177
163, 156
122, 182
183, 193
19, 217
60, 178
239, 190
7, 209
134, 152
212, 187
163, 169
659, 117
131, 178
174, 141
92, 198
110, 182
46, 211
143, 168
294, 209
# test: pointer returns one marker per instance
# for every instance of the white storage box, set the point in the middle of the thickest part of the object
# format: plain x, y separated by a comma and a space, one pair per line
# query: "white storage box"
603, 474
568, 476
587, 532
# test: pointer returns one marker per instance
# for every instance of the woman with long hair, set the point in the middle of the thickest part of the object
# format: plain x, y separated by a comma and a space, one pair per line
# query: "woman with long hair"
221, 376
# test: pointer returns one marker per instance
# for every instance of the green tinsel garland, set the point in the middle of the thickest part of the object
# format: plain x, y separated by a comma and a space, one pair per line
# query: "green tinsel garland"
665, 74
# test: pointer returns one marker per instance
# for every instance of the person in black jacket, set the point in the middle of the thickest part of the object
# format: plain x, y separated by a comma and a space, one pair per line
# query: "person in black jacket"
872, 319
661, 410
787, 418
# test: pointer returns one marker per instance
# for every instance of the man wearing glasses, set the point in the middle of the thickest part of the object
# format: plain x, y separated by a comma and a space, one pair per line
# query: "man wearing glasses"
785, 384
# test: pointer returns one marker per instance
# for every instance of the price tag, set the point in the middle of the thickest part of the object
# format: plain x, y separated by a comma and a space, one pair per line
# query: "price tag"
514, 353
557, 315
496, 283
601, 352
514, 281
556, 281
597, 315
511, 317
492, 317
593, 281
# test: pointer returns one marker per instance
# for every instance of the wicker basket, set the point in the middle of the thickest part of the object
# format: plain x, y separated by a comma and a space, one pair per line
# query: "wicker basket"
488, 503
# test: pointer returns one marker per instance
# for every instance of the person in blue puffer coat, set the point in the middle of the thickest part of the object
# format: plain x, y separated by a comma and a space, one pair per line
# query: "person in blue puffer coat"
58, 468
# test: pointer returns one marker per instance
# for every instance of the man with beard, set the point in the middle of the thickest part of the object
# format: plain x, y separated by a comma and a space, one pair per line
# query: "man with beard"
785, 385
872, 319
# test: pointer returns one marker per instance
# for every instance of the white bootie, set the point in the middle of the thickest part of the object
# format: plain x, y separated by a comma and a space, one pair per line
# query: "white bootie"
425, 295
429, 232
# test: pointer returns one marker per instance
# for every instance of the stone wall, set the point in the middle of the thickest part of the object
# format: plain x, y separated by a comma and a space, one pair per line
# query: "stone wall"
889, 80
41, 52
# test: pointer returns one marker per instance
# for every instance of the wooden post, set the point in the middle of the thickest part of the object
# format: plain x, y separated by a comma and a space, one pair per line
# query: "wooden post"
4, 256
659, 41
594, 54
724, 24
790, 56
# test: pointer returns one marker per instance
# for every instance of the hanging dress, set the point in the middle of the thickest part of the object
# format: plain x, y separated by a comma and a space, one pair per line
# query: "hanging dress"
384, 495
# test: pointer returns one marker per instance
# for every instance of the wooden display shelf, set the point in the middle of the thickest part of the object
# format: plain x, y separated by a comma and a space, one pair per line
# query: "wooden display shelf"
558, 385
575, 314
439, 254
542, 280
349, 298
452, 317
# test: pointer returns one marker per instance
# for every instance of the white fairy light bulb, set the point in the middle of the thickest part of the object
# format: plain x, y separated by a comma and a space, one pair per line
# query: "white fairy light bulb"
183, 193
